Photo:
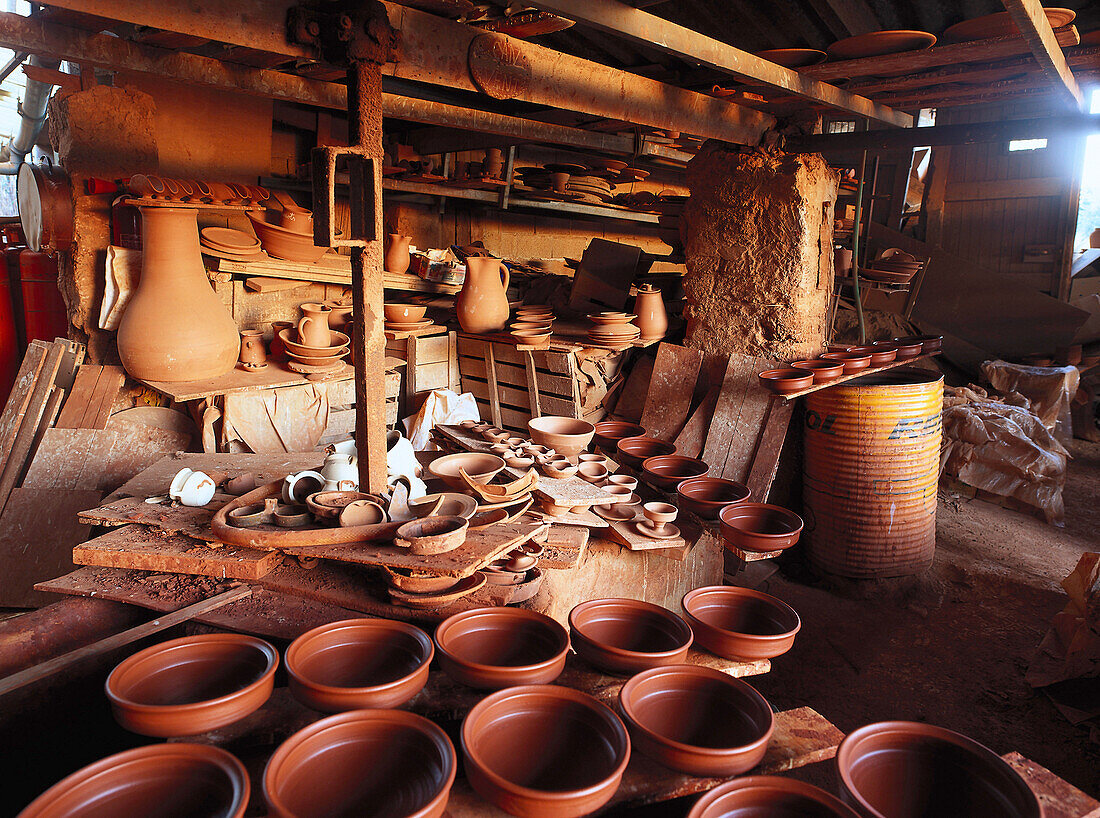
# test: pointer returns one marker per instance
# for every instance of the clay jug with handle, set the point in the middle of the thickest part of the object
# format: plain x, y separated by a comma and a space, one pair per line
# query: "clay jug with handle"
482, 304
397, 252
649, 307
313, 328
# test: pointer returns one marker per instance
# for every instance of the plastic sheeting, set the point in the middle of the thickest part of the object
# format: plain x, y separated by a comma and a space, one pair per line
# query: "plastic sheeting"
441, 406
1049, 389
291, 419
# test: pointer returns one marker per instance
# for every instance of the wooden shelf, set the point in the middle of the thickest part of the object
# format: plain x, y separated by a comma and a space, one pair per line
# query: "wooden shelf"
236, 380
844, 378
334, 269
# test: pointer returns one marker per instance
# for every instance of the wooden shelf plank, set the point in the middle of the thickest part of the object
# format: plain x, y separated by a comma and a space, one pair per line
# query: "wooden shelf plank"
844, 378
236, 380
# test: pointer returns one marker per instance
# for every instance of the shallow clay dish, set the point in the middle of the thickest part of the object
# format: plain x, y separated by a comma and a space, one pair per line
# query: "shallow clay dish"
1001, 24
904, 351
328, 505
286, 244
633, 450
568, 436
928, 343
706, 496
196, 779
187, 686
667, 471
366, 762
785, 381
760, 527
544, 751
357, 664
879, 355
432, 535
823, 371
740, 623
481, 468
417, 582
626, 636
438, 599
449, 504
771, 795
404, 313
878, 43
853, 361
698, 720
900, 769
492, 648
793, 57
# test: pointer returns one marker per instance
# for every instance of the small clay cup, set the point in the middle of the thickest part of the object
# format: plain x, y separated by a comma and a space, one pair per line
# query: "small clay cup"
559, 181
568, 436
697, 720
493, 648
624, 480
760, 527
592, 472
432, 535
365, 762
785, 381
740, 623
853, 361
771, 795
544, 751
358, 664
633, 450
610, 432
253, 355
627, 636
667, 471
823, 371
707, 496
188, 686
659, 516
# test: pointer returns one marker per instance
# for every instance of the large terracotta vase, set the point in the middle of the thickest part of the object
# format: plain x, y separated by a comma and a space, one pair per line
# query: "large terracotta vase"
649, 307
175, 327
482, 304
397, 252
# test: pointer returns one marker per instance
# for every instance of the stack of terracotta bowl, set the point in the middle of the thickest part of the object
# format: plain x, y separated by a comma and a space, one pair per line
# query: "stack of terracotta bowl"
312, 348
892, 267
406, 317
233, 245
534, 324
288, 234
613, 329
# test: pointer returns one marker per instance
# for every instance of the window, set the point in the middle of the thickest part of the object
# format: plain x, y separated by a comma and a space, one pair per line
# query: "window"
1026, 145
848, 126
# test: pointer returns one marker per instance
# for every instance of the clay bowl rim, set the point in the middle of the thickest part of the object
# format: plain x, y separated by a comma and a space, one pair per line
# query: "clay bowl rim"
718, 505
84, 779
630, 442
309, 351
455, 480
823, 370
763, 507
564, 694
446, 627
132, 663
672, 481
741, 595
854, 361
534, 425
774, 783
311, 732
301, 643
611, 436
786, 378
637, 605
468, 503
404, 308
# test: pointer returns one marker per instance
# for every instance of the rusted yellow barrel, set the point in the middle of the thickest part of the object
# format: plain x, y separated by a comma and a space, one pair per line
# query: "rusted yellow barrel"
871, 471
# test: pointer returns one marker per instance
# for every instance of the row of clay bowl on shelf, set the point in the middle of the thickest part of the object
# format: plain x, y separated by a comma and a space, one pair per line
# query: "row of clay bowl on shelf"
846, 359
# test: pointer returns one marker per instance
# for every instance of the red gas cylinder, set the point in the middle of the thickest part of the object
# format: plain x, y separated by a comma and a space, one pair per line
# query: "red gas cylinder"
43, 308
9, 342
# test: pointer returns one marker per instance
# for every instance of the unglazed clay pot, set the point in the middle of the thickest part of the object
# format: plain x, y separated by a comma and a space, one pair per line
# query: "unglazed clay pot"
823, 371
432, 535
626, 636
633, 450
482, 304
667, 471
610, 432
740, 623
397, 257
760, 527
252, 355
771, 795
786, 381
404, 313
544, 751
852, 361
492, 648
649, 307
481, 468
567, 436
366, 762
175, 327
707, 496
901, 769
196, 779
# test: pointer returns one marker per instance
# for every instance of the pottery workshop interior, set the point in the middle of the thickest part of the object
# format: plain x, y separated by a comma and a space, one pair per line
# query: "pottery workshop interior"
641, 408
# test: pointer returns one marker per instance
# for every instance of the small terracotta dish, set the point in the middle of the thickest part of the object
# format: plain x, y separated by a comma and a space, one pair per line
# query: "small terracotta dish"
610, 432
438, 599
880, 355
626, 636
760, 527
823, 371
480, 467
740, 623
905, 350
432, 535
668, 471
362, 512
492, 648
326, 506
624, 480
633, 450
773, 795
853, 361
417, 582
707, 496
785, 381
450, 504
404, 313
592, 472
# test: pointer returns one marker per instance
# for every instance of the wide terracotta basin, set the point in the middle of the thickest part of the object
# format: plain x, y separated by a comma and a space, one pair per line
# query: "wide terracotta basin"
823, 371
493, 648
707, 496
697, 720
785, 381
626, 636
633, 450
358, 663
285, 244
568, 436
929, 343
906, 350
481, 468
187, 686
740, 623
880, 355
760, 527
900, 769
196, 779
366, 762
772, 796
667, 471
853, 361
610, 432
544, 751
404, 313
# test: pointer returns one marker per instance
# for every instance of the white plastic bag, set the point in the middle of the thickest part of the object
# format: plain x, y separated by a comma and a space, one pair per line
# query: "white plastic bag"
441, 406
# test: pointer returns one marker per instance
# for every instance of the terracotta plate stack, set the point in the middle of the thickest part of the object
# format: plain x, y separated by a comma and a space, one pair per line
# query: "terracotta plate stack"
892, 267
534, 324
592, 189
234, 245
613, 329
310, 360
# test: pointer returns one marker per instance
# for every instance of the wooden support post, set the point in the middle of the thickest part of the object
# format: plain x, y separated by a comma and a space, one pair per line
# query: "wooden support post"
1035, 26
532, 383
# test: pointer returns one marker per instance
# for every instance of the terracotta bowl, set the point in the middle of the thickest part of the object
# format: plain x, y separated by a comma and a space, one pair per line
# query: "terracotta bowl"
452, 505
900, 769
633, 450
544, 751
328, 505
823, 371
905, 350
187, 686
740, 623
493, 648
366, 762
879, 355
567, 436
610, 432
839, 347
667, 471
417, 582
853, 361
626, 636
285, 244
771, 795
697, 720
532, 337
196, 779
785, 381
760, 526
480, 467
358, 664
706, 496
539, 326
929, 343
404, 313
432, 535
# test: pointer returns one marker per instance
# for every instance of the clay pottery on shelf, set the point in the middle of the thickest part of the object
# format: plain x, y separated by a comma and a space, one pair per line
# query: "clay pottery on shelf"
187, 686
633, 450
785, 381
432, 535
667, 471
445, 505
147, 186
288, 245
697, 720
610, 432
481, 468
626, 636
707, 496
772, 795
1001, 24
649, 309
904, 350
418, 582
853, 361
740, 623
901, 769
592, 472
823, 371
659, 517
839, 347
340, 344
880, 43
358, 664
760, 526
313, 328
493, 163
544, 751
397, 256
928, 343
296, 220
339, 314
365, 762
482, 305
879, 354
175, 327
493, 648
196, 779
277, 349
559, 181
567, 436
252, 354
438, 599
531, 337
404, 313
624, 480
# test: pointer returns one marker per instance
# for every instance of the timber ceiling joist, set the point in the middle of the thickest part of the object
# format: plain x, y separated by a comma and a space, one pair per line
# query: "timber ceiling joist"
1035, 26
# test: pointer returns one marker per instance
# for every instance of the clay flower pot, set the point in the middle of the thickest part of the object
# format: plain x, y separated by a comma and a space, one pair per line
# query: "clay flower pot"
626, 636
481, 468
633, 450
785, 381
545, 751
366, 762
668, 471
187, 686
432, 535
760, 526
707, 496
697, 719
492, 648
196, 779
567, 436
900, 769
772, 795
358, 664
740, 623
823, 371
404, 313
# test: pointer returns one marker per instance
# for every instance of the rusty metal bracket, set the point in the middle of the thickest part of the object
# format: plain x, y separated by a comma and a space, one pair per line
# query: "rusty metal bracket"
362, 171
345, 31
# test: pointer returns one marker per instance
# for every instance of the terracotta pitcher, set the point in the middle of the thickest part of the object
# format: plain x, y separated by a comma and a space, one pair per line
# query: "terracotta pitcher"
649, 307
397, 252
313, 328
175, 327
482, 304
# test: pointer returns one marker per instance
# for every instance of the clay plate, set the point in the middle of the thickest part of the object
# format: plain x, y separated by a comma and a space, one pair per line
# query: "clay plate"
878, 43
417, 582
438, 599
771, 795
492, 648
740, 623
626, 636
1001, 24
793, 57
760, 527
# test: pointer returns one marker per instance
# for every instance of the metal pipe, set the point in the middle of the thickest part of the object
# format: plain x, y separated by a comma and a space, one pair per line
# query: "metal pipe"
855, 250
33, 113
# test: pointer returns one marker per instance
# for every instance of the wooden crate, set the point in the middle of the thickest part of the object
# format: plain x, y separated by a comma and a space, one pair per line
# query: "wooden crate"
431, 363
341, 416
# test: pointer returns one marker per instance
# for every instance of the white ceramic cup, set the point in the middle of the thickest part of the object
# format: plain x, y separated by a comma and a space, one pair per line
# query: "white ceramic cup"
291, 487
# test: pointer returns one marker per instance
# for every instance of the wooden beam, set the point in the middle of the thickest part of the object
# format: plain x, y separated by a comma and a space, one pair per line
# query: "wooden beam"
614, 18
1035, 26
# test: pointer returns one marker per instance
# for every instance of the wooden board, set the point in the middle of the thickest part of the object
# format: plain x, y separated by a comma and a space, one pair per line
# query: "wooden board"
37, 533
149, 549
171, 519
690, 439
92, 397
155, 479
563, 547
604, 275
625, 533
765, 459
27, 430
671, 388
1057, 798
19, 398
588, 519
265, 284
236, 380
